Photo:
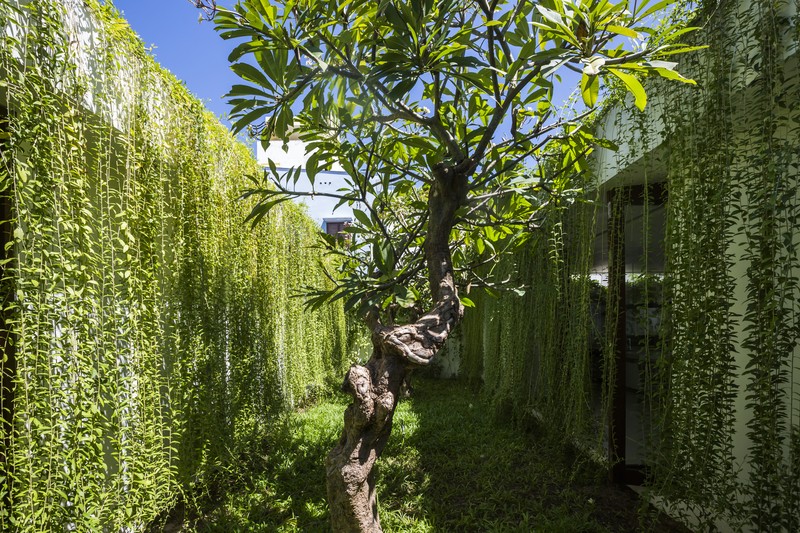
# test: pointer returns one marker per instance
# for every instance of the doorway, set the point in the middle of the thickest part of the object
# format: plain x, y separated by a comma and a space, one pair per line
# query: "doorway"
629, 261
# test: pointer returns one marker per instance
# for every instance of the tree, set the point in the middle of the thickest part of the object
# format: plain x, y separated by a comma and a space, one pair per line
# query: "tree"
441, 113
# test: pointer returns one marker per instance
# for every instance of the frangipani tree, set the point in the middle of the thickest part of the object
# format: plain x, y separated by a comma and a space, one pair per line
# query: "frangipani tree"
442, 115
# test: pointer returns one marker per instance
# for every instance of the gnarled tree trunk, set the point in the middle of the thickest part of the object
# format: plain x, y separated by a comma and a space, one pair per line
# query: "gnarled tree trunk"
367, 425
375, 388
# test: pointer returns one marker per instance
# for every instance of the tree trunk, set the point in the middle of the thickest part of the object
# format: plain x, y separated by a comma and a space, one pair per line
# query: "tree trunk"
367, 425
376, 387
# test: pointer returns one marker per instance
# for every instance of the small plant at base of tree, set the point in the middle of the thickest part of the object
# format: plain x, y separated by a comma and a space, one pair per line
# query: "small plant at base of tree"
442, 116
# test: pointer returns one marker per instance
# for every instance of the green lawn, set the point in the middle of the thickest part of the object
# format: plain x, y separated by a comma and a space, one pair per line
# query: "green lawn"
449, 466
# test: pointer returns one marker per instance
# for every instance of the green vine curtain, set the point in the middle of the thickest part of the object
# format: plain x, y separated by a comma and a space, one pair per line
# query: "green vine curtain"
532, 352
729, 443
148, 333
722, 389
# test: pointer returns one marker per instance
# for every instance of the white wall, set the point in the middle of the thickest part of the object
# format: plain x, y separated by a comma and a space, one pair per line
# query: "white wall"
292, 155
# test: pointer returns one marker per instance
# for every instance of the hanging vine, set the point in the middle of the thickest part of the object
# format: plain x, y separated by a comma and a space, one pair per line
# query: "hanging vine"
728, 408
722, 384
155, 334
532, 350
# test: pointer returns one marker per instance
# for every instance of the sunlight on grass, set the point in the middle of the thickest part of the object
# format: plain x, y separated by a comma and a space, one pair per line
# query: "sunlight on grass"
448, 467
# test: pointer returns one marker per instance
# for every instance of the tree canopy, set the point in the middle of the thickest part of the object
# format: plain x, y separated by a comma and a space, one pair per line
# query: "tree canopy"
404, 95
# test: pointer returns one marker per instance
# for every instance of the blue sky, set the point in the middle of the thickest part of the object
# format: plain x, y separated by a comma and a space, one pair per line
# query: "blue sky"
195, 54
192, 51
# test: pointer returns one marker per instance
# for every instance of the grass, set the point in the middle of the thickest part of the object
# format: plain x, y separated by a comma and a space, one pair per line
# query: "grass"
448, 467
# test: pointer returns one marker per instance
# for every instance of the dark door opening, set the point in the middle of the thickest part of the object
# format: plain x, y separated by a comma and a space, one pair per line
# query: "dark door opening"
635, 267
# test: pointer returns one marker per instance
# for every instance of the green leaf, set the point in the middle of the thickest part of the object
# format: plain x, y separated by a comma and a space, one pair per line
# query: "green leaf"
679, 49
404, 296
242, 121
550, 15
590, 88
658, 6
480, 245
312, 167
242, 50
268, 11
249, 90
673, 75
362, 217
605, 143
634, 86
671, 36
383, 256
622, 30
251, 73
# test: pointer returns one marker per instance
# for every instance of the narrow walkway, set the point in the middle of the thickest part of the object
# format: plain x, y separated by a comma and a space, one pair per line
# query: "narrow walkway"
448, 467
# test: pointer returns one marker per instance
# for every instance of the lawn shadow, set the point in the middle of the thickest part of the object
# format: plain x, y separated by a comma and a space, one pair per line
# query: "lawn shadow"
455, 463
451, 467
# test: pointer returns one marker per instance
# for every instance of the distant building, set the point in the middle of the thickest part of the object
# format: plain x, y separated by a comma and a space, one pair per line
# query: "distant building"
335, 226
321, 208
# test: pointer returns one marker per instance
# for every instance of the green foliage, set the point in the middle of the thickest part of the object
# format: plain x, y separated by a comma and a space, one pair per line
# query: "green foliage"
448, 467
532, 351
732, 284
721, 386
426, 99
155, 334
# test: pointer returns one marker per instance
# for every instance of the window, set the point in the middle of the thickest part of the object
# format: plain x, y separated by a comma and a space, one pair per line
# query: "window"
336, 226
629, 255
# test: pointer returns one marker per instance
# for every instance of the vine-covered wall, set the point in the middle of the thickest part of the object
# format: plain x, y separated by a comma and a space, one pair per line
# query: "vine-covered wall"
728, 446
148, 333
721, 382
532, 352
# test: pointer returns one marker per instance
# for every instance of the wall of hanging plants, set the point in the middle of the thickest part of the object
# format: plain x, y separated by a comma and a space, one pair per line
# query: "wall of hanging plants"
720, 380
148, 334
532, 352
728, 443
